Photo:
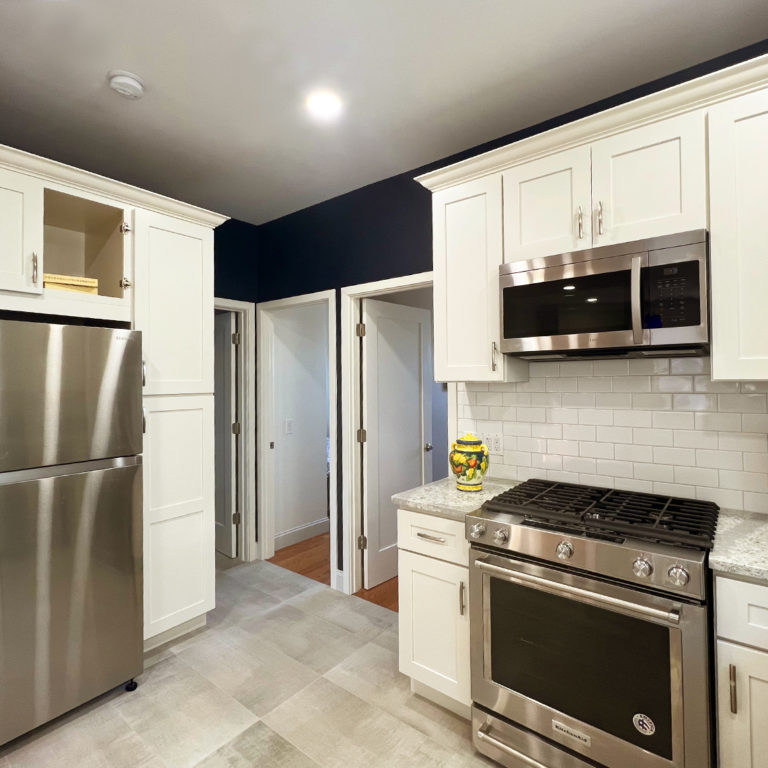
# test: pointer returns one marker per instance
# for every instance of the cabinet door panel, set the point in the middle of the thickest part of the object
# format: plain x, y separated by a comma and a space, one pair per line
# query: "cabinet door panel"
174, 303
738, 190
650, 181
434, 632
541, 206
179, 541
21, 233
743, 736
467, 222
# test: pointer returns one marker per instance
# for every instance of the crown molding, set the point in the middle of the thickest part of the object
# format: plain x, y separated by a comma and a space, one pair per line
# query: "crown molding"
695, 94
85, 181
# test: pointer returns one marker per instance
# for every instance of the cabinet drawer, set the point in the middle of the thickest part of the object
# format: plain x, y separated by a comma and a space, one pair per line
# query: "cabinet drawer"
742, 612
432, 536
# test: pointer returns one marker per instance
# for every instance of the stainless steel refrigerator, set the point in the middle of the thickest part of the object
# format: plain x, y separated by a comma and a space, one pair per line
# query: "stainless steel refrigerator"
70, 518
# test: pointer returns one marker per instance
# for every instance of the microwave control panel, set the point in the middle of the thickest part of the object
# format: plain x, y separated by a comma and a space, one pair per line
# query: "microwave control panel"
672, 295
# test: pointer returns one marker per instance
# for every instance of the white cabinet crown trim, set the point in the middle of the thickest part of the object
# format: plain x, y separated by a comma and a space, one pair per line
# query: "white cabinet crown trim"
85, 181
704, 91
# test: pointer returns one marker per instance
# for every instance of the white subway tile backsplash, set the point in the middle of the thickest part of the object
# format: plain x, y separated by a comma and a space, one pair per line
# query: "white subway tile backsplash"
685, 457
695, 402
579, 432
672, 420
672, 384
659, 425
657, 472
695, 439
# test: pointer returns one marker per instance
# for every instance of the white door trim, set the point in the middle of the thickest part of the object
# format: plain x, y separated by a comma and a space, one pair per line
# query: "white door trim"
246, 310
265, 399
351, 465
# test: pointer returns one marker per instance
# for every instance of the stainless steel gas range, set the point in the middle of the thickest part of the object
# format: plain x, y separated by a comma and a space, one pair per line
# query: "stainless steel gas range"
589, 628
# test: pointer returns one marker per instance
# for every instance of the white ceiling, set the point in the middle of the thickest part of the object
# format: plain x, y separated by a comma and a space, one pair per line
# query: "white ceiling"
222, 123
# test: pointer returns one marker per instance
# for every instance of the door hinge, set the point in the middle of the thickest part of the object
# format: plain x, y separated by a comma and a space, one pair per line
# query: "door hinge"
236, 338
360, 329
236, 519
362, 542
362, 435
236, 428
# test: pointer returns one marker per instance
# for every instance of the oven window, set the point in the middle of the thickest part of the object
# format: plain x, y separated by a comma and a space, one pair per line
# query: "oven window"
594, 665
589, 304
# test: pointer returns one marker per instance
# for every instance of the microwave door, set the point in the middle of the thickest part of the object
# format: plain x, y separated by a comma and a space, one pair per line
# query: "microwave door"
587, 305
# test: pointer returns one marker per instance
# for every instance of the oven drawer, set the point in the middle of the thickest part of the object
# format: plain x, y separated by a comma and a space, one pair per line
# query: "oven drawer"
433, 536
742, 612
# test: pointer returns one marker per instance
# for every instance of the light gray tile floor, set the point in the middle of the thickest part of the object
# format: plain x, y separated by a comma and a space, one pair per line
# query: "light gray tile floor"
288, 674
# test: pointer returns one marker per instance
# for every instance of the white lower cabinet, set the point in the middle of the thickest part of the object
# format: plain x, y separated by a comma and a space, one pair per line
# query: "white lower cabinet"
434, 624
179, 569
742, 707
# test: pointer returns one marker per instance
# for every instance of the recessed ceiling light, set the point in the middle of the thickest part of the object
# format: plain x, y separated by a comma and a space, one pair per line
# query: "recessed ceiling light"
569, 287
125, 83
591, 300
324, 105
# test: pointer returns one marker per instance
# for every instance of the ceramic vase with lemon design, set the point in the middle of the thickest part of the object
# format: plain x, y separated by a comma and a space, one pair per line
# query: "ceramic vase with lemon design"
469, 462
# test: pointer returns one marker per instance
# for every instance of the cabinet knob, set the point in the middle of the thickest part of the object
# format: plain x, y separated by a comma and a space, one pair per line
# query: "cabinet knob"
125, 227
125, 282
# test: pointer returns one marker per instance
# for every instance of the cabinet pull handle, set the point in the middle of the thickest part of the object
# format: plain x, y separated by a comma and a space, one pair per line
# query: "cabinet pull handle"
429, 537
143, 421
143, 373
580, 221
462, 605
493, 355
600, 217
34, 268
732, 686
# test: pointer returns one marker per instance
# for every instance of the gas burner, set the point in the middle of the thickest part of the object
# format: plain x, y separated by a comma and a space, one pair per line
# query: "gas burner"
609, 513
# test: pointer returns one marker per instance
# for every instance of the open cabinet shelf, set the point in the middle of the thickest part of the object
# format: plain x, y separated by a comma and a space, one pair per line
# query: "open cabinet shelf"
83, 238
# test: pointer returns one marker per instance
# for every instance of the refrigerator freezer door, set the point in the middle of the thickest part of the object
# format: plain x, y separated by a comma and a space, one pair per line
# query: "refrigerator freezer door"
70, 591
68, 394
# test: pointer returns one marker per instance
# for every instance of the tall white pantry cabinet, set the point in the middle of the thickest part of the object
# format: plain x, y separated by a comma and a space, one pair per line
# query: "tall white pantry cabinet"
153, 258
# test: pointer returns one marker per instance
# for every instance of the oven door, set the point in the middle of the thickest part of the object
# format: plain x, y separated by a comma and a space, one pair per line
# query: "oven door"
592, 666
588, 305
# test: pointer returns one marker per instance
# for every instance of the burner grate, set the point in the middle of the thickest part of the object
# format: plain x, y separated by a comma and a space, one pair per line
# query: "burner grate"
593, 510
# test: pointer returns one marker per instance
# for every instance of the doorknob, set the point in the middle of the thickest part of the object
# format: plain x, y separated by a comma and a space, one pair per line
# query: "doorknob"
428, 447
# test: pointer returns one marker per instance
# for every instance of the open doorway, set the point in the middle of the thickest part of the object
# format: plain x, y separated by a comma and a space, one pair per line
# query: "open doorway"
397, 420
297, 434
234, 417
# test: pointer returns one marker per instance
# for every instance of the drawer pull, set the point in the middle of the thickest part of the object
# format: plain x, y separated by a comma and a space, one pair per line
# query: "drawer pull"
462, 605
732, 686
429, 537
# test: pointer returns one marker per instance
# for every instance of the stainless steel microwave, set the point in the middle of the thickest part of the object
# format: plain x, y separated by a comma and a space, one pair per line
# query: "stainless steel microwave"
645, 298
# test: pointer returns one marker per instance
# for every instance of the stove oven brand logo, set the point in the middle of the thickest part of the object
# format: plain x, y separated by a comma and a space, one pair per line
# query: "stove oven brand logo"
644, 724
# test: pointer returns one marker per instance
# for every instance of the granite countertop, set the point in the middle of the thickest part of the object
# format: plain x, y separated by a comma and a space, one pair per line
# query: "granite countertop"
443, 499
741, 545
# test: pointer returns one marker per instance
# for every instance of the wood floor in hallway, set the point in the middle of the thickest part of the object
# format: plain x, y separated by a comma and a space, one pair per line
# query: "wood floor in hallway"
311, 558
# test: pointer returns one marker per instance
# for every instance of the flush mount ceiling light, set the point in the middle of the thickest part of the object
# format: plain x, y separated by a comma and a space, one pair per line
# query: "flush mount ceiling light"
125, 83
324, 106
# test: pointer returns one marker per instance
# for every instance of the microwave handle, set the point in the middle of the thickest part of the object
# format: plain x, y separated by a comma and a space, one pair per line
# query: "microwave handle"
637, 314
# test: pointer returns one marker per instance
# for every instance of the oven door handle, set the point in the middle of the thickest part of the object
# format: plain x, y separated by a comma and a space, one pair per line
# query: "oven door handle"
483, 735
526, 579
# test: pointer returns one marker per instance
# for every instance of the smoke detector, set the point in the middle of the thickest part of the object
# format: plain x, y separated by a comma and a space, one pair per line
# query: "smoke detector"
125, 83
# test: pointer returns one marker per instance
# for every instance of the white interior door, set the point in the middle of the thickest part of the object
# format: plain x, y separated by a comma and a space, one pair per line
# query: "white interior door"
397, 416
225, 414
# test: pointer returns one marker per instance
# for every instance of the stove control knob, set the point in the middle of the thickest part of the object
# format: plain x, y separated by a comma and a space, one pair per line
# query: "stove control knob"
477, 530
500, 536
642, 568
678, 575
564, 550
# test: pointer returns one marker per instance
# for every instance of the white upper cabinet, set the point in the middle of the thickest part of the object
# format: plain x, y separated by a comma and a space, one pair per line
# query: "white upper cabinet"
738, 198
468, 250
21, 233
547, 205
174, 303
650, 181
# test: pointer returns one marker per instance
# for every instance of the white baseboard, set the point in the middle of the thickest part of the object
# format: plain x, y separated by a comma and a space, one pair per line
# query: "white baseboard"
302, 532
174, 633
462, 710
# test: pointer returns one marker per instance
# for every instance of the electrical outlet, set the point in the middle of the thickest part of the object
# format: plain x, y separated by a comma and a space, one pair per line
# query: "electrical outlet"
289, 426
498, 442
